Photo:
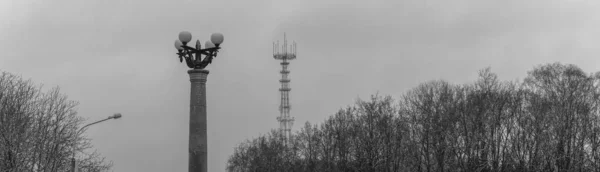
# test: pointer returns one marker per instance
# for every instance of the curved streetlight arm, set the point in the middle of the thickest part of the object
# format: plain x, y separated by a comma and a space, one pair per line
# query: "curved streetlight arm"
81, 129
115, 116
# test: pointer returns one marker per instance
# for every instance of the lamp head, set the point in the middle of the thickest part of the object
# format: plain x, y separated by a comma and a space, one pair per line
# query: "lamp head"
116, 116
216, 38
185, 37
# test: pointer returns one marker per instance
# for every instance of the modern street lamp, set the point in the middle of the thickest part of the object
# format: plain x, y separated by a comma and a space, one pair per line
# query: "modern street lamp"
197, 148
73, 160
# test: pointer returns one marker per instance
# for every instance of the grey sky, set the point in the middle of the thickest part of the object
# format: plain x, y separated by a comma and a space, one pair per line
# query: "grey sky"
118, 56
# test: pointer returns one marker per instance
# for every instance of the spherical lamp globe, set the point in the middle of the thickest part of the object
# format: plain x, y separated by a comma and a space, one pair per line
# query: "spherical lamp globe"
216, 38
209, 44
178, 45
185, 37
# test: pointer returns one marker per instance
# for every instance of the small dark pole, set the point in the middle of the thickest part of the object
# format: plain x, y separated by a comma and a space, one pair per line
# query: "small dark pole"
73, 164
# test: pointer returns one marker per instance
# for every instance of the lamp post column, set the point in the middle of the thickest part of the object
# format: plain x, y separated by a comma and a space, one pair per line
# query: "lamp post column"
197, 150
198, 137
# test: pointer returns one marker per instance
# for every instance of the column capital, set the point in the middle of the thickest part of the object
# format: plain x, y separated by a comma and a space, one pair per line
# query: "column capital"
198, 75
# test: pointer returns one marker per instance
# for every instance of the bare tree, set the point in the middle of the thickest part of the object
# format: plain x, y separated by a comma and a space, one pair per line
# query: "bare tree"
37, 129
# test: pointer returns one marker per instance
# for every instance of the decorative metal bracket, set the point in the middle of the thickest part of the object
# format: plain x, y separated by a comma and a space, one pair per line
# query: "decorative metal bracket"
193, 56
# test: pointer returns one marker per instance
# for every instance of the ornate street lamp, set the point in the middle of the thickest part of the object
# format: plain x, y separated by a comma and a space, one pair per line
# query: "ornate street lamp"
197, 150
193, 56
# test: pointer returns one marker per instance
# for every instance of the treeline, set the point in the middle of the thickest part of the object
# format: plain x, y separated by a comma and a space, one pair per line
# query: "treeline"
547, 122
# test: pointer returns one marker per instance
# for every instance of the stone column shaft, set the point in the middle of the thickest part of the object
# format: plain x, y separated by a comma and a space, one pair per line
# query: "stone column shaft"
198, 161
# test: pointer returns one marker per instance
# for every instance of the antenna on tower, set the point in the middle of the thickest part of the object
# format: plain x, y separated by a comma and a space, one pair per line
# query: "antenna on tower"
285, 119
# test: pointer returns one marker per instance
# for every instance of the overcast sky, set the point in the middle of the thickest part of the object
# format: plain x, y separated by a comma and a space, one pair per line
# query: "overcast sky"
118, 56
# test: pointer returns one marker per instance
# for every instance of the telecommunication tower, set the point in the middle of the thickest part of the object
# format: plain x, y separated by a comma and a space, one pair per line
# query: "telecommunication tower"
285, 55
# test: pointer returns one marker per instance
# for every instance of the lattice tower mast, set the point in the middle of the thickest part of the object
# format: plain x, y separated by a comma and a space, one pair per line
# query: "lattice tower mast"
282, 53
